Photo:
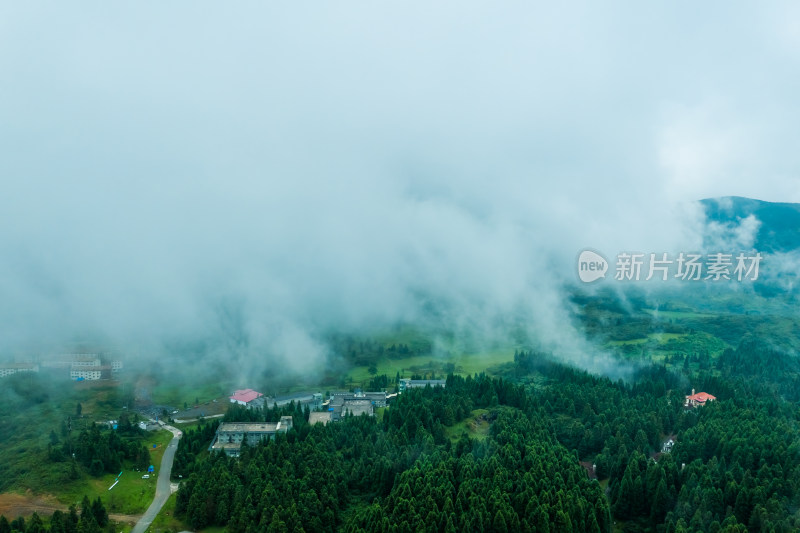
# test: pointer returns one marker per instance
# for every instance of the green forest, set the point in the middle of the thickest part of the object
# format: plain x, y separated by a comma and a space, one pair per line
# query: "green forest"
566, 451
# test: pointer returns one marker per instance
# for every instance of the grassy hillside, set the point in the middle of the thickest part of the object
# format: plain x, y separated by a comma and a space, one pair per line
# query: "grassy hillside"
38, 410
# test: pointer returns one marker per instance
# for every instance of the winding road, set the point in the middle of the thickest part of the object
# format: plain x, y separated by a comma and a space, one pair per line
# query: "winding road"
163, 486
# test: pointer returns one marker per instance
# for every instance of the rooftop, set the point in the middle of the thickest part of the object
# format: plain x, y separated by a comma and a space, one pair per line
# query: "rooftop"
248, 427
322, 418
701, 397
245, 395
18, 366
226, 445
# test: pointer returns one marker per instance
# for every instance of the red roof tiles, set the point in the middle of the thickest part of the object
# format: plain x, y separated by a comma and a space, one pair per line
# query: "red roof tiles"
245, 395
701, 397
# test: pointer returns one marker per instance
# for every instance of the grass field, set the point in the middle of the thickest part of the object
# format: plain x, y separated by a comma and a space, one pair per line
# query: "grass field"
26, 424
166, 520
29, 424
652, 337
475, 426
191, 393
466, 364
666, 315
132, 495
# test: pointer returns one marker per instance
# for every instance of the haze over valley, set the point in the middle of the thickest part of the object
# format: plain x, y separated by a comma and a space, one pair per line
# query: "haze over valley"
366, 267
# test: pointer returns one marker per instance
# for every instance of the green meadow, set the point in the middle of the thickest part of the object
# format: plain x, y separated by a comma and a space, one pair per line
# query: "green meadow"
30, 424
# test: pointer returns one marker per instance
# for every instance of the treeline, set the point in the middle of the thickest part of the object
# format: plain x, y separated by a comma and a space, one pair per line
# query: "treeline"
191, 445
241, 413
363, 351
93, 518
318, 478
742, 459
767, 370
734, 469
735, 465
517, 480
101, 451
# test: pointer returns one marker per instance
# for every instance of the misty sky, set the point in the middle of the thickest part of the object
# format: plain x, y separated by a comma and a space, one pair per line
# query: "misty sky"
265, 171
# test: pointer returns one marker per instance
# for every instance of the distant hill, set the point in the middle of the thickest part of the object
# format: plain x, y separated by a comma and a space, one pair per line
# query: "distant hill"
780, 222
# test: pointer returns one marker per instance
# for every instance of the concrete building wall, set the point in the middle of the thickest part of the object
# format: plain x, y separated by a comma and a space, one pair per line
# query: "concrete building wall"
16, 368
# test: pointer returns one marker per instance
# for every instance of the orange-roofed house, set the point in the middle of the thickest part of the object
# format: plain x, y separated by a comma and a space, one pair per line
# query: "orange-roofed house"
245, 396
699, 399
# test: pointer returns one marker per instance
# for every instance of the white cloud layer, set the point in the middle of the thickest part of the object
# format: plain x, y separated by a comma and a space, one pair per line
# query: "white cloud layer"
295, 168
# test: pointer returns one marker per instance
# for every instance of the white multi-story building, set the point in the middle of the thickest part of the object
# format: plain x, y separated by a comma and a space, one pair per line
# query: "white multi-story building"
83, 365
86, 361
89, 373
230, 435
71, 360
9, 369
421, 383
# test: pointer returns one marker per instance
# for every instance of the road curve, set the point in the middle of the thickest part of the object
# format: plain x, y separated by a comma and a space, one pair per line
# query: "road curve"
163, 485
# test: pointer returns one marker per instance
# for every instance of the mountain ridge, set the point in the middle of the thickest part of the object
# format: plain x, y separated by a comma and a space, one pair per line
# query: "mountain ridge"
779, 230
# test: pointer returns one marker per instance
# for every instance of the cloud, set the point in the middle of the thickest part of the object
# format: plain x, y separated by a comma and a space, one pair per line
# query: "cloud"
262, 174
738, 235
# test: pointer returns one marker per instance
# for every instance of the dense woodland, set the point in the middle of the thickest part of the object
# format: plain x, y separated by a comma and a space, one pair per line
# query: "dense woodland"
99, 449
558, 449
735, 465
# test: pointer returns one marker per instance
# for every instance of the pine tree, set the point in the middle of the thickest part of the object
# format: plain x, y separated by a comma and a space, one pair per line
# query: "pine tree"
18, 524
71, 523
563, 524
99, 513
658, 506
499, 524
57, 522
35, 525
277, 525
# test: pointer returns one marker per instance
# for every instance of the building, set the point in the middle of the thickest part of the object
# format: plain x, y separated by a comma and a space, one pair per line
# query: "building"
319, 418
699, 399
420, 383
357, 408
68, 361
9, 369
86, 361
378, 399
312, 399
81, 365
355, 403
89, 373
231, 435
245, 397
85, 374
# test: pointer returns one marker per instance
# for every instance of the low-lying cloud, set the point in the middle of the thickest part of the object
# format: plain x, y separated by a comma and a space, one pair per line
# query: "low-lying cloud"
257, 177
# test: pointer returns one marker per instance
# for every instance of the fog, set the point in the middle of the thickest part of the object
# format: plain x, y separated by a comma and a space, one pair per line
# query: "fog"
256, 176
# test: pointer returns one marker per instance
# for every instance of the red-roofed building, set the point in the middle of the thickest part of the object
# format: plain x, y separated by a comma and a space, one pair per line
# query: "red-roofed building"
245, 396
696, 400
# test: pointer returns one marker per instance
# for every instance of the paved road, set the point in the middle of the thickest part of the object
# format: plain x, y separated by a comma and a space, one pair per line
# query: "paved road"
186, 421
163, 485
